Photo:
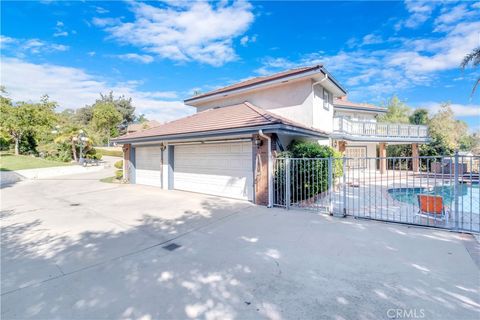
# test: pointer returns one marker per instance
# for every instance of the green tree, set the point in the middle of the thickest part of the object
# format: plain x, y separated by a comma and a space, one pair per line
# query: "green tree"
472, 58
419, 116
470, 142
397, 111
105, 119
26, 118
142, 119
84, 115
446, 133
123, 105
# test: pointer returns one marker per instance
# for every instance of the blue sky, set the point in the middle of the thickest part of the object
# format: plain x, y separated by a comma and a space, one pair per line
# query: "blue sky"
159, 53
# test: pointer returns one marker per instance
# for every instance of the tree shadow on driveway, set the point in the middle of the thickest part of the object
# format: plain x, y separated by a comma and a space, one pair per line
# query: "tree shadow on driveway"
234, 261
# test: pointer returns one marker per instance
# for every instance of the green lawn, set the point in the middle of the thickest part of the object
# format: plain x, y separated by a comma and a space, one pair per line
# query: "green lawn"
9, 162
113, 152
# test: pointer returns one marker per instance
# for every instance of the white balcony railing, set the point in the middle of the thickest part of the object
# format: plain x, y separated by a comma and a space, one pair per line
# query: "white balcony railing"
379, 129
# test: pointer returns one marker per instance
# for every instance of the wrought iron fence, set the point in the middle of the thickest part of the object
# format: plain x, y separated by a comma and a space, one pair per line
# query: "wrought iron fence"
430, 191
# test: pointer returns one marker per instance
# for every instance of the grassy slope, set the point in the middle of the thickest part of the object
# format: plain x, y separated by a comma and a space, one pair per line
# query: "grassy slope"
9, 162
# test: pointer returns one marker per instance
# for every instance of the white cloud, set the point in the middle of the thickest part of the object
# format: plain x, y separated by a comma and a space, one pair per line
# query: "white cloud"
420, 12
33, 46
101, 10
59, 30
5, 40
74, 88
451, 15
460, 110
142, 58
91, 53
245, 40
196, 31
428, 55
404, 63
60, 34
371, 39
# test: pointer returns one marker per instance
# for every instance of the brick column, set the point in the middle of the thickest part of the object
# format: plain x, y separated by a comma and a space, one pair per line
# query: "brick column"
342, 145
383, 154
260, 171
126, 161
415, 159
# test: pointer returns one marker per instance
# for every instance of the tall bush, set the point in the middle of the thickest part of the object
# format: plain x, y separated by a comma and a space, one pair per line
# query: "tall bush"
309, 172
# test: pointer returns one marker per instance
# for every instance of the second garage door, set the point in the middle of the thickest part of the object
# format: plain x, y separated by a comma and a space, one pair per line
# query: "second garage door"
223, 169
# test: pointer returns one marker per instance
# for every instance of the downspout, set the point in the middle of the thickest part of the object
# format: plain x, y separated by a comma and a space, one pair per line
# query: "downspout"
270, 167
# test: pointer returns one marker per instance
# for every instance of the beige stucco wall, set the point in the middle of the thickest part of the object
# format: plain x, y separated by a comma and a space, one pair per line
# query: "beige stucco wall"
357, 115
293, 100
322, 114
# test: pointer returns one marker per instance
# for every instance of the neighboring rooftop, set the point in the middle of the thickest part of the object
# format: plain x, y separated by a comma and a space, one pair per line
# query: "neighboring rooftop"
266, 79
244, 115
134, 127
343, 102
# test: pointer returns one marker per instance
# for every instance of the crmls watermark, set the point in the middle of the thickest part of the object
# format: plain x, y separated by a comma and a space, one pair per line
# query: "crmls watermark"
406, 313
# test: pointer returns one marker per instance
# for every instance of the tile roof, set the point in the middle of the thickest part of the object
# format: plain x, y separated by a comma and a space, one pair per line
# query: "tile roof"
257, 80
231, 117
350, 104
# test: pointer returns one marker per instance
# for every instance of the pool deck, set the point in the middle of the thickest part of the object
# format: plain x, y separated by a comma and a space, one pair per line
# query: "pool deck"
368, 196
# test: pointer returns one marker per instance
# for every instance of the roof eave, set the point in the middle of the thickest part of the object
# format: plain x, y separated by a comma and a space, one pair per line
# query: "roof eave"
332, 78
234, 131
359, 138
375, 110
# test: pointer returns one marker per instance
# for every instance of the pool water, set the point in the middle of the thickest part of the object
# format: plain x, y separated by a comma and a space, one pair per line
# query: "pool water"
469, 196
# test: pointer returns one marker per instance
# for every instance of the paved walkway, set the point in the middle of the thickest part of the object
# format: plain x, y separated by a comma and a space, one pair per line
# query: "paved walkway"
76, 248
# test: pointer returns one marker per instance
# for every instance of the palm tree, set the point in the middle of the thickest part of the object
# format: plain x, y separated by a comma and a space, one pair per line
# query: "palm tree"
474, 59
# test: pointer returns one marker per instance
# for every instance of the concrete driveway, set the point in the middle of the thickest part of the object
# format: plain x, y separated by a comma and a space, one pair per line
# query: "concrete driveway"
77, 248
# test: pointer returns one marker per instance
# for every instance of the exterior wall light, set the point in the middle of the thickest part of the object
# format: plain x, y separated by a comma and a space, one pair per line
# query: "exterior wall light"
258, 142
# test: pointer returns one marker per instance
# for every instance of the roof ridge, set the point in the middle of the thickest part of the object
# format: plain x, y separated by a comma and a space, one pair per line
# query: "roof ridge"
263, 112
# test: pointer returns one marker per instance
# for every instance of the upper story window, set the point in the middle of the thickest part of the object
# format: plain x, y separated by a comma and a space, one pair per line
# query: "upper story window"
326, 100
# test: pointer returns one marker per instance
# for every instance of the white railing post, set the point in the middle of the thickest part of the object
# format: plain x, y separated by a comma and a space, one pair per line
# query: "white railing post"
287, 183
330, 185
377, 129
344, 187
455, 189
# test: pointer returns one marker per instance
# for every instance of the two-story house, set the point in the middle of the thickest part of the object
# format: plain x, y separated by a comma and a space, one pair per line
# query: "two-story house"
227, 147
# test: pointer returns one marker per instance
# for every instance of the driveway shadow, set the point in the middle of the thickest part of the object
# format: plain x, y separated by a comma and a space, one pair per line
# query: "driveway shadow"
236, 261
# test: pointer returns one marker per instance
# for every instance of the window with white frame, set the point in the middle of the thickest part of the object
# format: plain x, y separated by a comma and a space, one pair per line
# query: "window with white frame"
326, 100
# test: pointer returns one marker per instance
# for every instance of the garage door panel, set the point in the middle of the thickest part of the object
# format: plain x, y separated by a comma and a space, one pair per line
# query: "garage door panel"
223, 169
221, 185
148, 166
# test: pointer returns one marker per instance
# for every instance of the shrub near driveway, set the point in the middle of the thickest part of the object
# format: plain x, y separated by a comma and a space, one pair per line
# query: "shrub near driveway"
309, 177
10, 162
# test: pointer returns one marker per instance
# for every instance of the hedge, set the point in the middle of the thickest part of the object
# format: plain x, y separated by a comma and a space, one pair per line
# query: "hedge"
309, 172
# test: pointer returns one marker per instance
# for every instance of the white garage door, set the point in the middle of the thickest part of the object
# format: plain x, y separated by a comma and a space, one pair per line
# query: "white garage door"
148, 165
223, 169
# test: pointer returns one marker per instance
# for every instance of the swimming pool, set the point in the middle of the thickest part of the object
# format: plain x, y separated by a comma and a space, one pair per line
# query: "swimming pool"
469, 196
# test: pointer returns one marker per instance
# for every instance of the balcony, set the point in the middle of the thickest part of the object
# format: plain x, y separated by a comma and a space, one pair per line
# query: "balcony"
377, 131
